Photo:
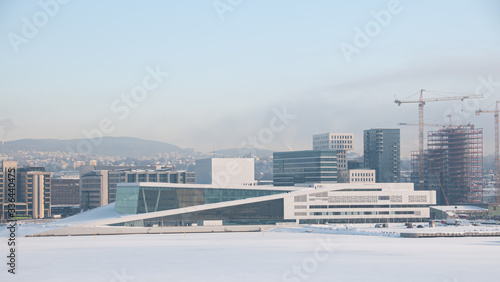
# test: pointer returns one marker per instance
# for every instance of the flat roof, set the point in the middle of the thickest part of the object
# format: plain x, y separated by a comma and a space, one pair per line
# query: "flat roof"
458, 208
211, 186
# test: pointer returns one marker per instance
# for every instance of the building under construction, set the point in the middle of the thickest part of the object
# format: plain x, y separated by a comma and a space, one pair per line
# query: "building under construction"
453, 165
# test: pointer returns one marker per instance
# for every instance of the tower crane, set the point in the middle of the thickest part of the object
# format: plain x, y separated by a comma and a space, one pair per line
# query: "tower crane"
497, 153
421, 102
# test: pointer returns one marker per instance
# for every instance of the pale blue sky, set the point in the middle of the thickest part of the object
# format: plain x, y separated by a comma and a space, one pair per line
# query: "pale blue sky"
227, 75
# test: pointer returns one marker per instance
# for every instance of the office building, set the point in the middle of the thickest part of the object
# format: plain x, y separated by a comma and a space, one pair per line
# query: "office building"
65, 191
29, 187
290, 168
8, 190
224, 172
362, 176
34, 189
382, 153
339, 142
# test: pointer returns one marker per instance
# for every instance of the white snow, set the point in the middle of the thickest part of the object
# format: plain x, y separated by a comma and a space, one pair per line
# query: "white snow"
394, 230
91, 216
268, 256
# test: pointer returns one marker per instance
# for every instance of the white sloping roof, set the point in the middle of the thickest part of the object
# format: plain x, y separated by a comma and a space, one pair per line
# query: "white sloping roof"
458, 208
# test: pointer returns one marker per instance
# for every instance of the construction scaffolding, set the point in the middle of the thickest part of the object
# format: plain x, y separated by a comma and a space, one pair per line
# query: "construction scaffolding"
453, 164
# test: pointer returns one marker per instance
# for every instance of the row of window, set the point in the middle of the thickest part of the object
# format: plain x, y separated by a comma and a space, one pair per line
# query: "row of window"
359, 206
356, 213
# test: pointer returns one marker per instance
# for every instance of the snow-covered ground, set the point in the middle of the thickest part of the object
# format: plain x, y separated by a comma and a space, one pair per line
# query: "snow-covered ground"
257, 256
394, 230
91, 216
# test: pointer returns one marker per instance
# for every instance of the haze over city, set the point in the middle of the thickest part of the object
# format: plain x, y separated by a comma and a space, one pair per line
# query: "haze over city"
230, 70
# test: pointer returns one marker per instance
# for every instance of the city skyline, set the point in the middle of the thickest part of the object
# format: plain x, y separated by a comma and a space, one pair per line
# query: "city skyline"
221, 77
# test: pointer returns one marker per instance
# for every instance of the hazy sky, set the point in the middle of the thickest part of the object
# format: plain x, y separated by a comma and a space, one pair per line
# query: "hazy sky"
232, 65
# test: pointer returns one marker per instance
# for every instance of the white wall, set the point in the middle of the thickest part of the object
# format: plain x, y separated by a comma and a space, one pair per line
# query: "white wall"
224, 172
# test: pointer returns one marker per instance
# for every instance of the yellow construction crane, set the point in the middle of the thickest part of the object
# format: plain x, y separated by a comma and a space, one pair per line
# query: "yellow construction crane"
497, 153
421, 102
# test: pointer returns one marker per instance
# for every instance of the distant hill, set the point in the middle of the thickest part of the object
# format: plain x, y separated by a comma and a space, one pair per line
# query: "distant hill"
108, 146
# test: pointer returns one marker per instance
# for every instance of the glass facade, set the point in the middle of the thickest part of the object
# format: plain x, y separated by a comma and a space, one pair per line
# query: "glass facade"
290, 168
266, 212
135, 199
382, 153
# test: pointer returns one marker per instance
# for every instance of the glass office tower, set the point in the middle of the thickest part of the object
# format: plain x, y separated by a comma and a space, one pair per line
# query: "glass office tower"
382, 153
290, 168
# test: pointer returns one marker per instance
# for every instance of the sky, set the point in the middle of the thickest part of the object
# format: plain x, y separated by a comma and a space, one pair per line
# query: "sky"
232, 73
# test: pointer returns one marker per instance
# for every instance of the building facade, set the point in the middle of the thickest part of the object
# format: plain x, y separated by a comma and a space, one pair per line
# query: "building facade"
224, 172
98, 187
161, 204
340, 142
34, 189
9, 191
382, 153
65, 191
290, 168
28, 187
362, 176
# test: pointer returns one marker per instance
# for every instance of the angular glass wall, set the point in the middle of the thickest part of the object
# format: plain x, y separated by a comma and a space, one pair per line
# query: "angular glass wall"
127, 199
135, 199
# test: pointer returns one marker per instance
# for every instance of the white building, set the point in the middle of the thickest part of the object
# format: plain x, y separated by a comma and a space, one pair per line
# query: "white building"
333, 141
340, 142
353, 202
242, 205
224, 172
362, 176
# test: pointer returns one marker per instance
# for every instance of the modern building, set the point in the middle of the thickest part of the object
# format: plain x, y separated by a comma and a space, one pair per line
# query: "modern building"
290, 168
339, 142
8, 185
65, 191
34, 189
163, 204
382, 153
453, 165
28, 187
362, 176
98, 187
224, 172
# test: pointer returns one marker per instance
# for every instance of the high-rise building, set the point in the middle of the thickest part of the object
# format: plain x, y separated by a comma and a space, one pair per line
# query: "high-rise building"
339, 142
453, 165
34, 189
27, 187
290, 168
382, 153
98, 187
9, 192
